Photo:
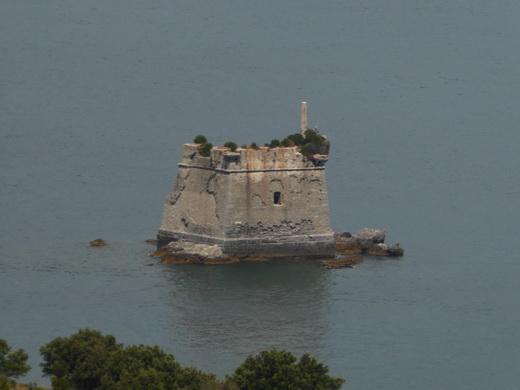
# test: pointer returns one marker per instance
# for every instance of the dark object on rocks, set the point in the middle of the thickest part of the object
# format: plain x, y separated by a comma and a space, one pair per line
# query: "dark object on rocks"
367, 241
98, 242
342, 262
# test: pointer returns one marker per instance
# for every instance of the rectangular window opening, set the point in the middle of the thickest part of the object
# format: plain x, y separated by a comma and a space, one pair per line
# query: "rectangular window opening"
277, 197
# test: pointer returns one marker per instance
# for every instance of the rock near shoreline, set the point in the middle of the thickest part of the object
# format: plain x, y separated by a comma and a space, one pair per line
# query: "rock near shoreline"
366, 242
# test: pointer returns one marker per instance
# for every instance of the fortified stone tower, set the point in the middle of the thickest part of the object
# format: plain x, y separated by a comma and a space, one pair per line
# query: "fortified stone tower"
269, 202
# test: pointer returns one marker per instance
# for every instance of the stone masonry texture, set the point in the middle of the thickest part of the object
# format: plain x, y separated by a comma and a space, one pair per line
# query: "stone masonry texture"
269, 202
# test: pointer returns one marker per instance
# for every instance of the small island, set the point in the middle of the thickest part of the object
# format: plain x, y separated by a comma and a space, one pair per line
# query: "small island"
254, 203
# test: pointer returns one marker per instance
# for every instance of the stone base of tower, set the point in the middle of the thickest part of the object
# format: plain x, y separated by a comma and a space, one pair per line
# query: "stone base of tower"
266, 202
185, 247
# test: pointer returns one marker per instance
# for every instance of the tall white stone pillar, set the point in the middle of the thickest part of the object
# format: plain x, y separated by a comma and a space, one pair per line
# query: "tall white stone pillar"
303, 121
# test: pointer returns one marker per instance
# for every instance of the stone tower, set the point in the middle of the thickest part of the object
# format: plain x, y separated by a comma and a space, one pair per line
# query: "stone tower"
268, 202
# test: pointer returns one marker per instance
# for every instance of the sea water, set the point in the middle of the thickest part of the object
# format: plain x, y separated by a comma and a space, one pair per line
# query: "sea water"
420, 102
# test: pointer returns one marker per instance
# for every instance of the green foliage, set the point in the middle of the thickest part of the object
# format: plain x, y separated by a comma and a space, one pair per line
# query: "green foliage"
310, 149
297, 139
61, 384
200, 139
293, 140
274, 369
267, 370
309, 144
286, 142
205, 149
311, 135
217, 385
12, 364
5, 383
313, 143
89, 360
144, 367
193, 379
205, 146
244, 146
231, 145
274, 143
10, 384
315, 375
80, 358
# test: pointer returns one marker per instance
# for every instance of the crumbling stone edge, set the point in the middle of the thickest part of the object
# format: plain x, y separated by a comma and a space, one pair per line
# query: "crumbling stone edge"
350, 249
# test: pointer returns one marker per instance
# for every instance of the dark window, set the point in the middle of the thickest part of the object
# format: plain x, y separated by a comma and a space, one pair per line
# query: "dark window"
277, 197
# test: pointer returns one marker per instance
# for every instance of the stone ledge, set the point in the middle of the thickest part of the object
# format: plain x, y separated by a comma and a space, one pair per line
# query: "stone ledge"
366, 242
186, 252
305, 245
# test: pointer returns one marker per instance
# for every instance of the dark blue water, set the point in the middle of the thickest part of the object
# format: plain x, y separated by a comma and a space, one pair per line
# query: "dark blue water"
420, 101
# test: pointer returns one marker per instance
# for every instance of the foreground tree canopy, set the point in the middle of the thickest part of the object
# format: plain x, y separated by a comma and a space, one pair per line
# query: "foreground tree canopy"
12, 364
80, 359
144, 367
275, 369
89, 360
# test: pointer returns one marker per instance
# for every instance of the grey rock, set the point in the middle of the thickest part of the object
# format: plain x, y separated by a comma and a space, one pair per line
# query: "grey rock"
367, 241
395, 250
375, 236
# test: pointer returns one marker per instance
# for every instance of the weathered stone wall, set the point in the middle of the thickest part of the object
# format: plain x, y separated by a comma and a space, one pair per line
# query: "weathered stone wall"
269, 202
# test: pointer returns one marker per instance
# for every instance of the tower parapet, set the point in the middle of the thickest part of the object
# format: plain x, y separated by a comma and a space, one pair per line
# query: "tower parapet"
248, 159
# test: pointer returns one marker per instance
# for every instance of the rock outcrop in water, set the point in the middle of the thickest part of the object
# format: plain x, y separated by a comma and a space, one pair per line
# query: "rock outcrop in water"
98, 242
366, 242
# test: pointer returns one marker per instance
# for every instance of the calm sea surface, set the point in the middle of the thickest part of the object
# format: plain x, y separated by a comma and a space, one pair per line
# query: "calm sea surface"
421, 102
